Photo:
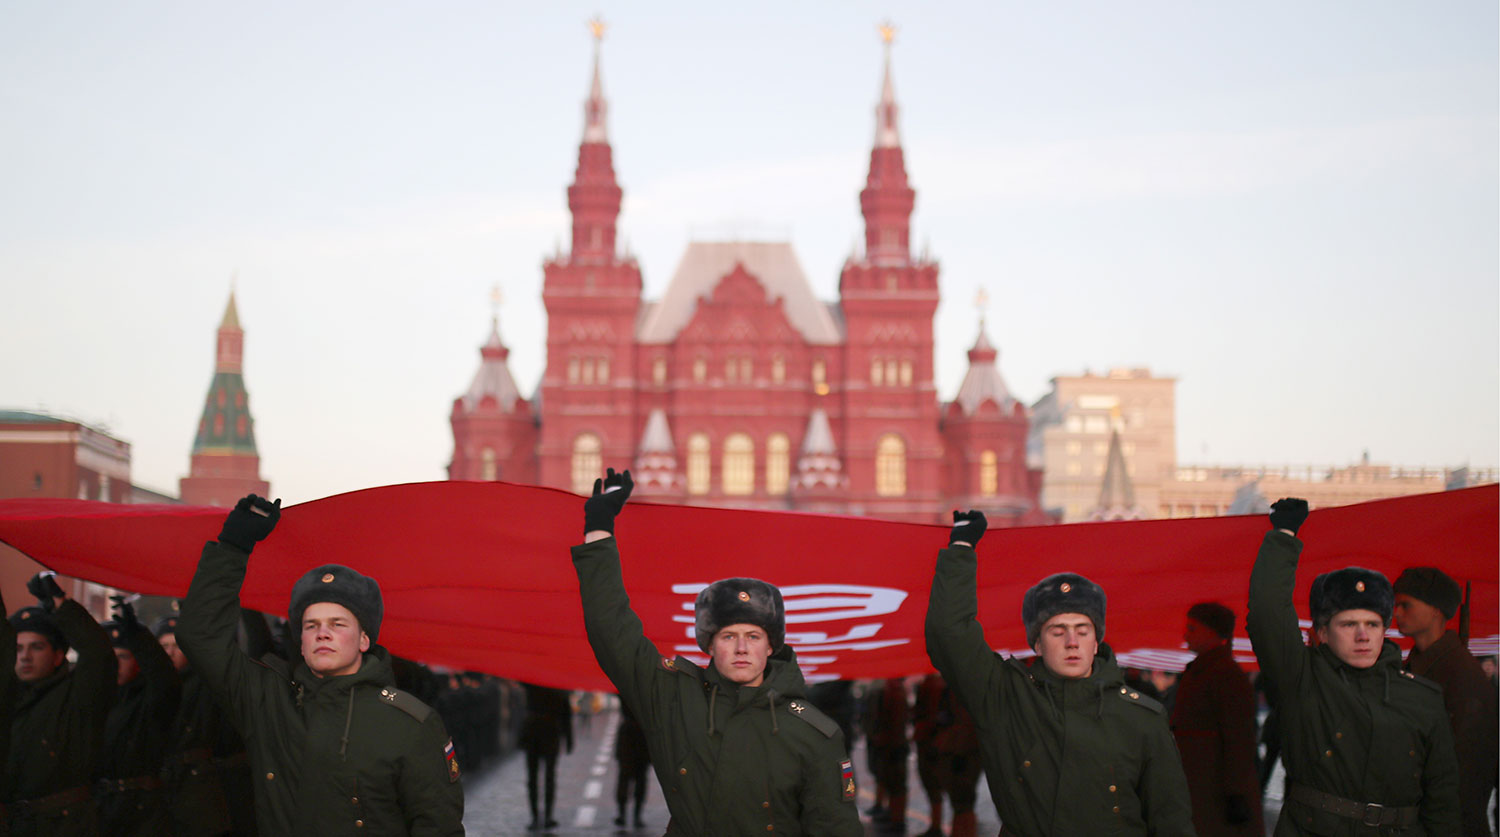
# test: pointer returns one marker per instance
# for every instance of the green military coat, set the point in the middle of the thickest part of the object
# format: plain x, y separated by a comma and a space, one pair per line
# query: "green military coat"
57, 728
348, 755
136, 739
731, 760
1376, 735
195, 788
1062, 756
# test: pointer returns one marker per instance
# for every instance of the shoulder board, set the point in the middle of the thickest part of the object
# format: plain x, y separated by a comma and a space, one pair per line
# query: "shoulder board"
1130, 695
804, 709
407, 703
1417, 678
682, 665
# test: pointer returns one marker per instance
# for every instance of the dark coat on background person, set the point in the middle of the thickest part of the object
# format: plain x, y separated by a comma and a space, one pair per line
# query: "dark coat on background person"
1469, 697
8, 684
195, 790
1213, 721
1376, 735
548, 722
887, 742
1062, 756
731, 759
836, 699
57, 730
132, 799
947, 746
332, 755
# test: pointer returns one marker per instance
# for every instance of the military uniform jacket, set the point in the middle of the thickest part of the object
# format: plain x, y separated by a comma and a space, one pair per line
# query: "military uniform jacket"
137, 732
1213, 720
1062, 757
58, 726
348, 755
1376, 735
1470, 699
8, 683
731, 760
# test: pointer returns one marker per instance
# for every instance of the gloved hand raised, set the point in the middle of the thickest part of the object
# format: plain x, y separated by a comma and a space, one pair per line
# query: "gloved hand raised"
125, 614
1288, 513
252, 520
609, 498
44, 586
968, 527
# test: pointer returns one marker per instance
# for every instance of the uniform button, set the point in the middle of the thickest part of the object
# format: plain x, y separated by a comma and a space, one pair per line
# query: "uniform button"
270, 776
682, 771
770, 828
354, 800
1338, 735
1112, 789
1026, 763
765, 804
1116, 809
1413, 752
1327, 754
359, 823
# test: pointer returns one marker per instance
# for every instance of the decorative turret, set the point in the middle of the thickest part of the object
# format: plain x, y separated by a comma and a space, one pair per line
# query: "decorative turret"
494, 431
1117, 494
225, 464
983, 383
656, 459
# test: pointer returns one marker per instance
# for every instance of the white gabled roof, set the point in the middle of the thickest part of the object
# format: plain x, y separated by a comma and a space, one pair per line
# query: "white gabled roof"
982, 382
657, 438
706, 262
493, 378
819, 438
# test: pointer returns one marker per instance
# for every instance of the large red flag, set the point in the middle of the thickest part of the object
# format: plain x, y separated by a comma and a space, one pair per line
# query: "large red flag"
477, 575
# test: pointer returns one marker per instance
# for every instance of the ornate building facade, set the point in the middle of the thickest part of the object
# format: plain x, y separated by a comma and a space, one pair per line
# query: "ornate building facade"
738, 387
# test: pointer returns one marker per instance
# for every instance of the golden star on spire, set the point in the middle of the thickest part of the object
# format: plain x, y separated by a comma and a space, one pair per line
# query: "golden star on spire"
887, 32
596, 26
981, 301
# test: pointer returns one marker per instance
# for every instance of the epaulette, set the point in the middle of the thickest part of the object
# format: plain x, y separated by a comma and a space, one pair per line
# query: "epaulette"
1133, 696
801, 708
407, 703
1417, 678
682, 665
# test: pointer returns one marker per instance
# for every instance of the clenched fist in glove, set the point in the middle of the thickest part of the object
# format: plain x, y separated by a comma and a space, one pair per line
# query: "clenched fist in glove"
44, 586
1288, 513
609, 498
126, 618
251, 521
968, 528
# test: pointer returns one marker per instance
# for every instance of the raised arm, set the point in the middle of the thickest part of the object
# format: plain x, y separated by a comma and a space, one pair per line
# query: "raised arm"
955, 639
163, 685
94, 673
1272, 620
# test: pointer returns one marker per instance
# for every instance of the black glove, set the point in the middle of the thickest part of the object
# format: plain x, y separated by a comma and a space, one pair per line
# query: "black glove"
252, 520
968, 527
44, 586
1288, 513
609, 498
125, 615
1236, 809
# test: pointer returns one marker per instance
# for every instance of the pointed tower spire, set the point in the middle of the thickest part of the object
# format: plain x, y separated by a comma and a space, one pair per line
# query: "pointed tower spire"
493, 381
887, 133
1117, 494
594, 197
983, 382
656, 457
887, 199
595, 110
225, 464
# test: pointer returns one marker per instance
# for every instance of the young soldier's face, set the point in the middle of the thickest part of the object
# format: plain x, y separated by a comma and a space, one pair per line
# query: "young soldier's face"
332, 643
1200, 637
126, 668
36, 659
740, 653
169, 645
1067, 645
1355, 636
1414, 616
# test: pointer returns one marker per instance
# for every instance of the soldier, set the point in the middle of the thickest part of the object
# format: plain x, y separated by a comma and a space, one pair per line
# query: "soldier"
888, 749
57, 727
1213, 720
1366, 745
136, 734
334, 745
196, 795
947, 756
549, 721
8, 684
1067, 747
1426, 598
633, 757
737, 748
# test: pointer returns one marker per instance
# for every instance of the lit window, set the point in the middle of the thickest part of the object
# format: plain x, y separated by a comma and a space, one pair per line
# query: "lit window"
729, 369
778, 463
739, 464
778, 369
1098, 469
587, 375
1075, 448
890, 372
1127, 448
747, 370
588, 460
1101, 448
572, 370
700, 370
1074, 469
1096, 424
989, 474
697, 464
1075, 424
906, 373
877, 372
659, 371
487, 464
603, 373
890, 466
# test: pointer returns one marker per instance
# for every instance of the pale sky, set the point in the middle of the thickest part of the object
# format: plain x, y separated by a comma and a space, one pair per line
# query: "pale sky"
1293, 208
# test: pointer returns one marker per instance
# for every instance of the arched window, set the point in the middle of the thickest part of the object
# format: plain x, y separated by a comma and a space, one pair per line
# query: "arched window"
989, 474
890, 372
700, 370
697, 464
747, 370
659, 371
572, 370
588, 370
603, 374
819, 372
487, 465
778, 463
778, 369
877, 372
588, 462
739, 464
890, 466
906, 373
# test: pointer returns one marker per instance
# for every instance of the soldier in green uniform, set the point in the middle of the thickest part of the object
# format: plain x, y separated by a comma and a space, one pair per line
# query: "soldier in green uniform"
131, 797
8, 683
1067, 747
335, 747
1366, 745
736, 746
195, 792
57, 727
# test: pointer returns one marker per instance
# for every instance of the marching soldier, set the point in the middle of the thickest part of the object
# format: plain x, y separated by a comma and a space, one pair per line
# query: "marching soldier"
1067, 747
947, 756
549, 721
195, 791
335, 746
737, 748
57, 727
888, 749
1426, 598
1366, 745
131, 797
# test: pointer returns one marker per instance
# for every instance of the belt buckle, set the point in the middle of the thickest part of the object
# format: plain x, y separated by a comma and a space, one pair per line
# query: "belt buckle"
1372, 814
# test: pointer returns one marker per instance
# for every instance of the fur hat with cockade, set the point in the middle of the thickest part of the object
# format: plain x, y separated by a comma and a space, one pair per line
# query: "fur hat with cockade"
1352, 588
739, 601
340, 585
1062, 593
1431, 585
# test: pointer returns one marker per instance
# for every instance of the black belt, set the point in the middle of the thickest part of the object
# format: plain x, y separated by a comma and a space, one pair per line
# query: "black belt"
132, 783
1372, 814
51, 802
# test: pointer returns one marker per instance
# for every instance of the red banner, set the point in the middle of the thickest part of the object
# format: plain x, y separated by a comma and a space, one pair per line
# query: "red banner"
477, 575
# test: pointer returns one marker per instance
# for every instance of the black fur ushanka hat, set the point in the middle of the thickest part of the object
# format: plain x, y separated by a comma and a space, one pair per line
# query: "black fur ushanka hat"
1062, 593
341, 585
736, 601
1352, 588
39, 621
